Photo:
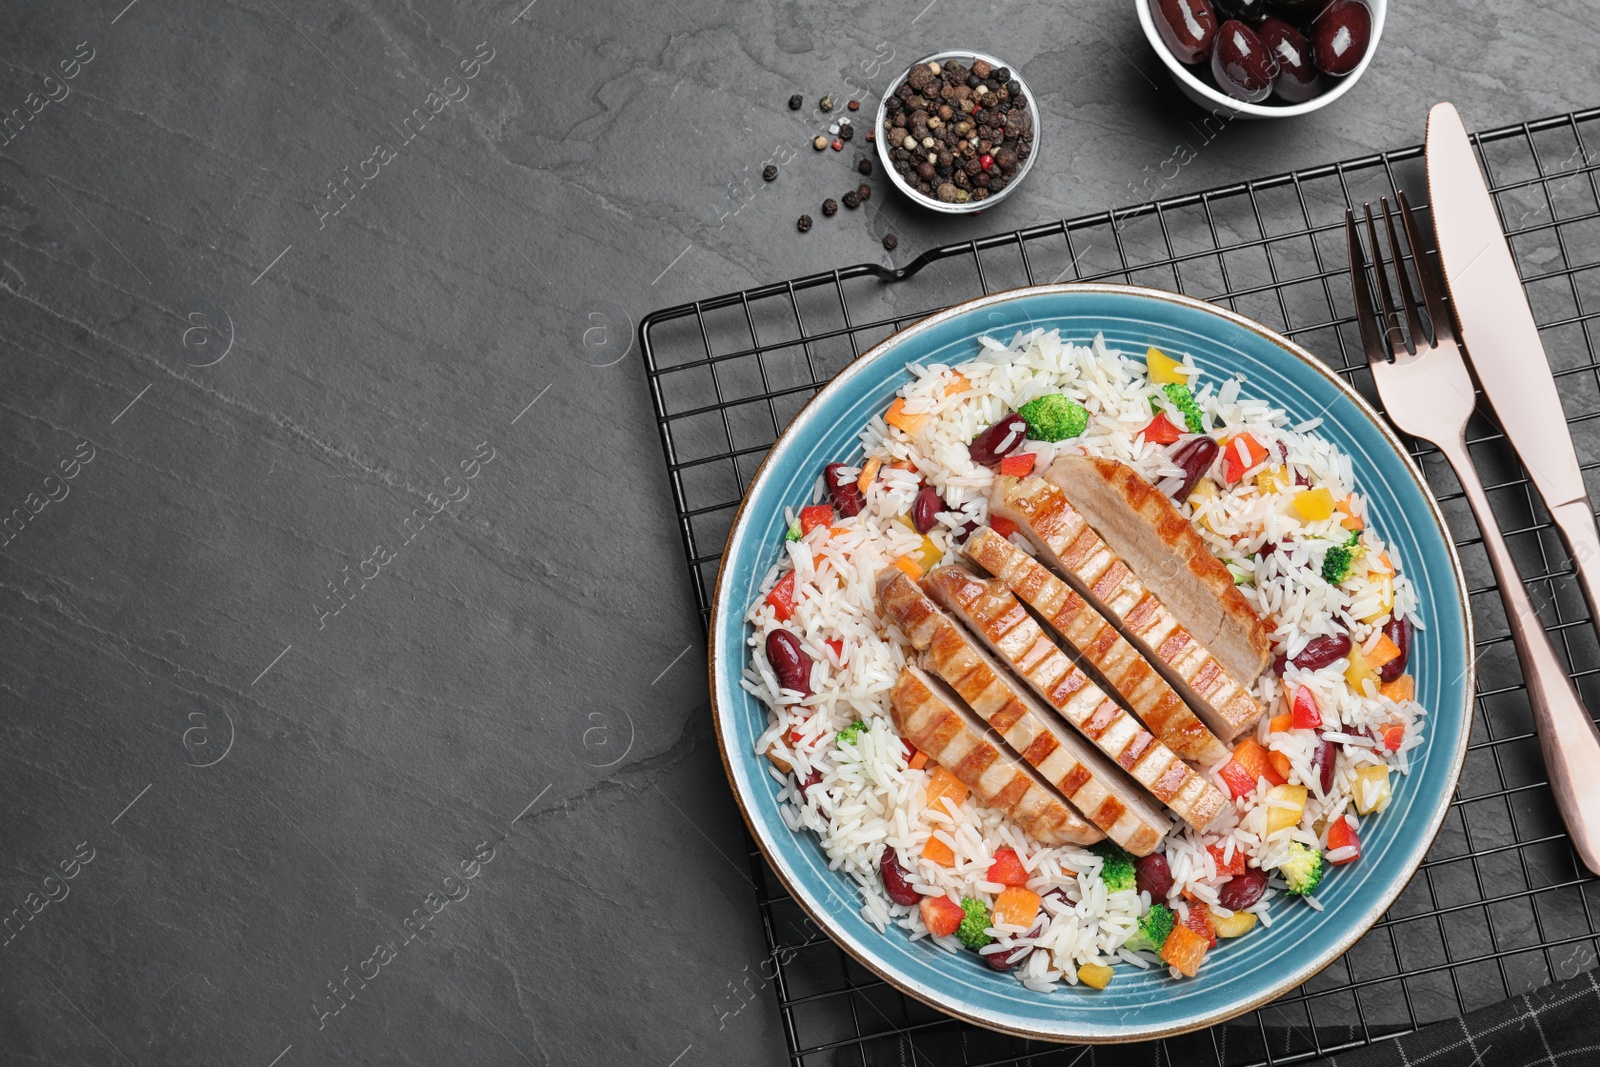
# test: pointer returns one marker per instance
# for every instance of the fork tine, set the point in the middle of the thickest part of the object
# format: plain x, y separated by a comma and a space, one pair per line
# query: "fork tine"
1438, 314
1362, 291
1407, 297
1391, 320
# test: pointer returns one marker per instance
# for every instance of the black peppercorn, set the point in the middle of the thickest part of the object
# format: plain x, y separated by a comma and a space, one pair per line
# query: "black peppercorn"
826, 103
1014, 87
864, 191
851, 200
830, 207
796, 102
803, 223
769, 172
890, 241
1002, 75
893, 104
865, 166
846, 131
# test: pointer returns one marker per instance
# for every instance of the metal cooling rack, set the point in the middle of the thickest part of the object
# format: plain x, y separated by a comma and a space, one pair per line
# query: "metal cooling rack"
1501, 905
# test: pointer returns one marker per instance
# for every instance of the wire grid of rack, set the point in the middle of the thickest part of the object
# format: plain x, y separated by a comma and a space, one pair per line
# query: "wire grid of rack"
1501, 904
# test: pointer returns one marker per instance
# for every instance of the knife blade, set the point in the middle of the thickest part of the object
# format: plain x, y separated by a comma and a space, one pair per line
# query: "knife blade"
1497, 329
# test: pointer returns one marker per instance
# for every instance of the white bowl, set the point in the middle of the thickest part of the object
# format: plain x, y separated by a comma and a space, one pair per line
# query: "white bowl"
1211, 98
971, 206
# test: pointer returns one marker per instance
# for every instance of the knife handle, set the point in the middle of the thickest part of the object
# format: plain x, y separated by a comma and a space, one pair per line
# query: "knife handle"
1567, 735
1577, 526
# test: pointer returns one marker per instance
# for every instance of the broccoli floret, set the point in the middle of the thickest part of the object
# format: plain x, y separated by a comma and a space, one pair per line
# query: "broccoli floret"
850, 734
971, 931
1116, 869
1336, 565
1152, 931
1054, 417
1183, 400
1303, 869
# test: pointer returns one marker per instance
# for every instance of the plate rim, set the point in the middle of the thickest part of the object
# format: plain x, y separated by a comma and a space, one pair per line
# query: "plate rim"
947, 1005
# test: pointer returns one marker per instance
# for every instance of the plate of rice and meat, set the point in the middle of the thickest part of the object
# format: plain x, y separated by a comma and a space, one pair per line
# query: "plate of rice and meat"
1091, 663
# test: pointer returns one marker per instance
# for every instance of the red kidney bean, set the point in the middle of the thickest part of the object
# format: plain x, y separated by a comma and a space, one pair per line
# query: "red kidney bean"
789, 661
847, 499
1323, 761
803, 784
999, 440
1297, 78
1195, 458
1241, 64
1005, 961
1340, 35
1398, 631
1321, 651
969, 528
1280, 663
925, 509
1152, 874
896, 880
1267, 549
1243, 890
1189, 27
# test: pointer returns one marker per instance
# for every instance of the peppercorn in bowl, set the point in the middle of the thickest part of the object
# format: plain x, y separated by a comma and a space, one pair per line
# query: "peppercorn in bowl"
958, 131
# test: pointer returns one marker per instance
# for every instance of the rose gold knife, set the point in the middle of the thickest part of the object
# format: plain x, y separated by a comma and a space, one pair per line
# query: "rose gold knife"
1502, 341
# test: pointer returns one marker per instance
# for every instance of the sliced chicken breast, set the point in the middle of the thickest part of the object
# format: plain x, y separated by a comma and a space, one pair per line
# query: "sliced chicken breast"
1139, 523
1067, 544
930, 716
1096, 787
1105, 650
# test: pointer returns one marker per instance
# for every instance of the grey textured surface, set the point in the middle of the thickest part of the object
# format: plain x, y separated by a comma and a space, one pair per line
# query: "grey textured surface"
291, 411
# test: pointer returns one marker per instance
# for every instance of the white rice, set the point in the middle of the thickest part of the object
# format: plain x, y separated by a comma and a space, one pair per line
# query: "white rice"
868, 799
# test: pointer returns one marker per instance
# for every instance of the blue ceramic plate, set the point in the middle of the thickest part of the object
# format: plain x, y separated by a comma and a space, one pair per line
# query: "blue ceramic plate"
1241, 974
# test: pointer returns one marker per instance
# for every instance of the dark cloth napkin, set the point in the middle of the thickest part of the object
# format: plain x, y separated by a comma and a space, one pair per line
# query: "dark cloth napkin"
1557, 1025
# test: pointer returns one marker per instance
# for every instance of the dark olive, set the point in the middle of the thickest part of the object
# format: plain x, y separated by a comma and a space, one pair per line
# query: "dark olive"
1195, 458
925, 509
1321, 651
789, 661
999, 440
1243, 10
1323, 761
1152, 874
1340, 35
1189, 27
1243, 890
1398, 631
1241, 64
896, 880
847, 499
1297, 78
1301, 11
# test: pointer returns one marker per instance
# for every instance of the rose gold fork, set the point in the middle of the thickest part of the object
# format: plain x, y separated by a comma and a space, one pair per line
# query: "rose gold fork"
1428, 394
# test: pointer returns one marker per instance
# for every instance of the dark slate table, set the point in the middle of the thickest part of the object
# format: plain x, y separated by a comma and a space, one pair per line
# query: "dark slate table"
353, 699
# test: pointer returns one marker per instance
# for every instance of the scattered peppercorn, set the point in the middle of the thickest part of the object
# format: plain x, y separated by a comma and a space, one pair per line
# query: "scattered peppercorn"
838, 145
826, 103
851, 200
846, 131
864, 191
830, 207
769, 172
890, 240
796, 102
803, 223
819, 142
865, 166
872, 136
854, 105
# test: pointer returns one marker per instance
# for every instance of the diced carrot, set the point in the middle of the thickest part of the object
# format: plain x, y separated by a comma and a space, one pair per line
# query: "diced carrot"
778, 761
1381, 565
1199, 921
1341, 836
1234, 866
1250, 754
1402, 688
1280, 764
868, 472
919, 761
1384, 651
782, 598
1003, 527
941, 915
944, 784
1185, 950
902, 465
936, 851
912, 568
1240, 781
1017, 907
898, 416
959, 383
1019, 465
1281, 723
1007, 868
1351, 520
814, 516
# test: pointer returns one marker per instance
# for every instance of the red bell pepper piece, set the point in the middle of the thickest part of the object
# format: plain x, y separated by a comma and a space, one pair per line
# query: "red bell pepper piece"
782, 597
1161, 431
1007, 868
1235, 866
837, 646
1199, 921
1306, 715
1019, 465
1234, 465
1240, 781
1003, 527
1341, 836
814, 516
941, 915
1393, 735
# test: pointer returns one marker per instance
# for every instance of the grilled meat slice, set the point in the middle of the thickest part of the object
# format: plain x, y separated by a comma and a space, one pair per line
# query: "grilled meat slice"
1095, 786
1101, 646
933, 718
1065, 542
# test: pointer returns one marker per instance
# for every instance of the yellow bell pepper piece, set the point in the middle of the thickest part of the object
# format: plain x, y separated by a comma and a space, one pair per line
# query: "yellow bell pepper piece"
1205, 489
929, 555
1240, 922
1096, 975
1385, 600
1272, 480
1372, 789
1163, 369
1285, 805
1314, 505
959, 383
1359, 671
